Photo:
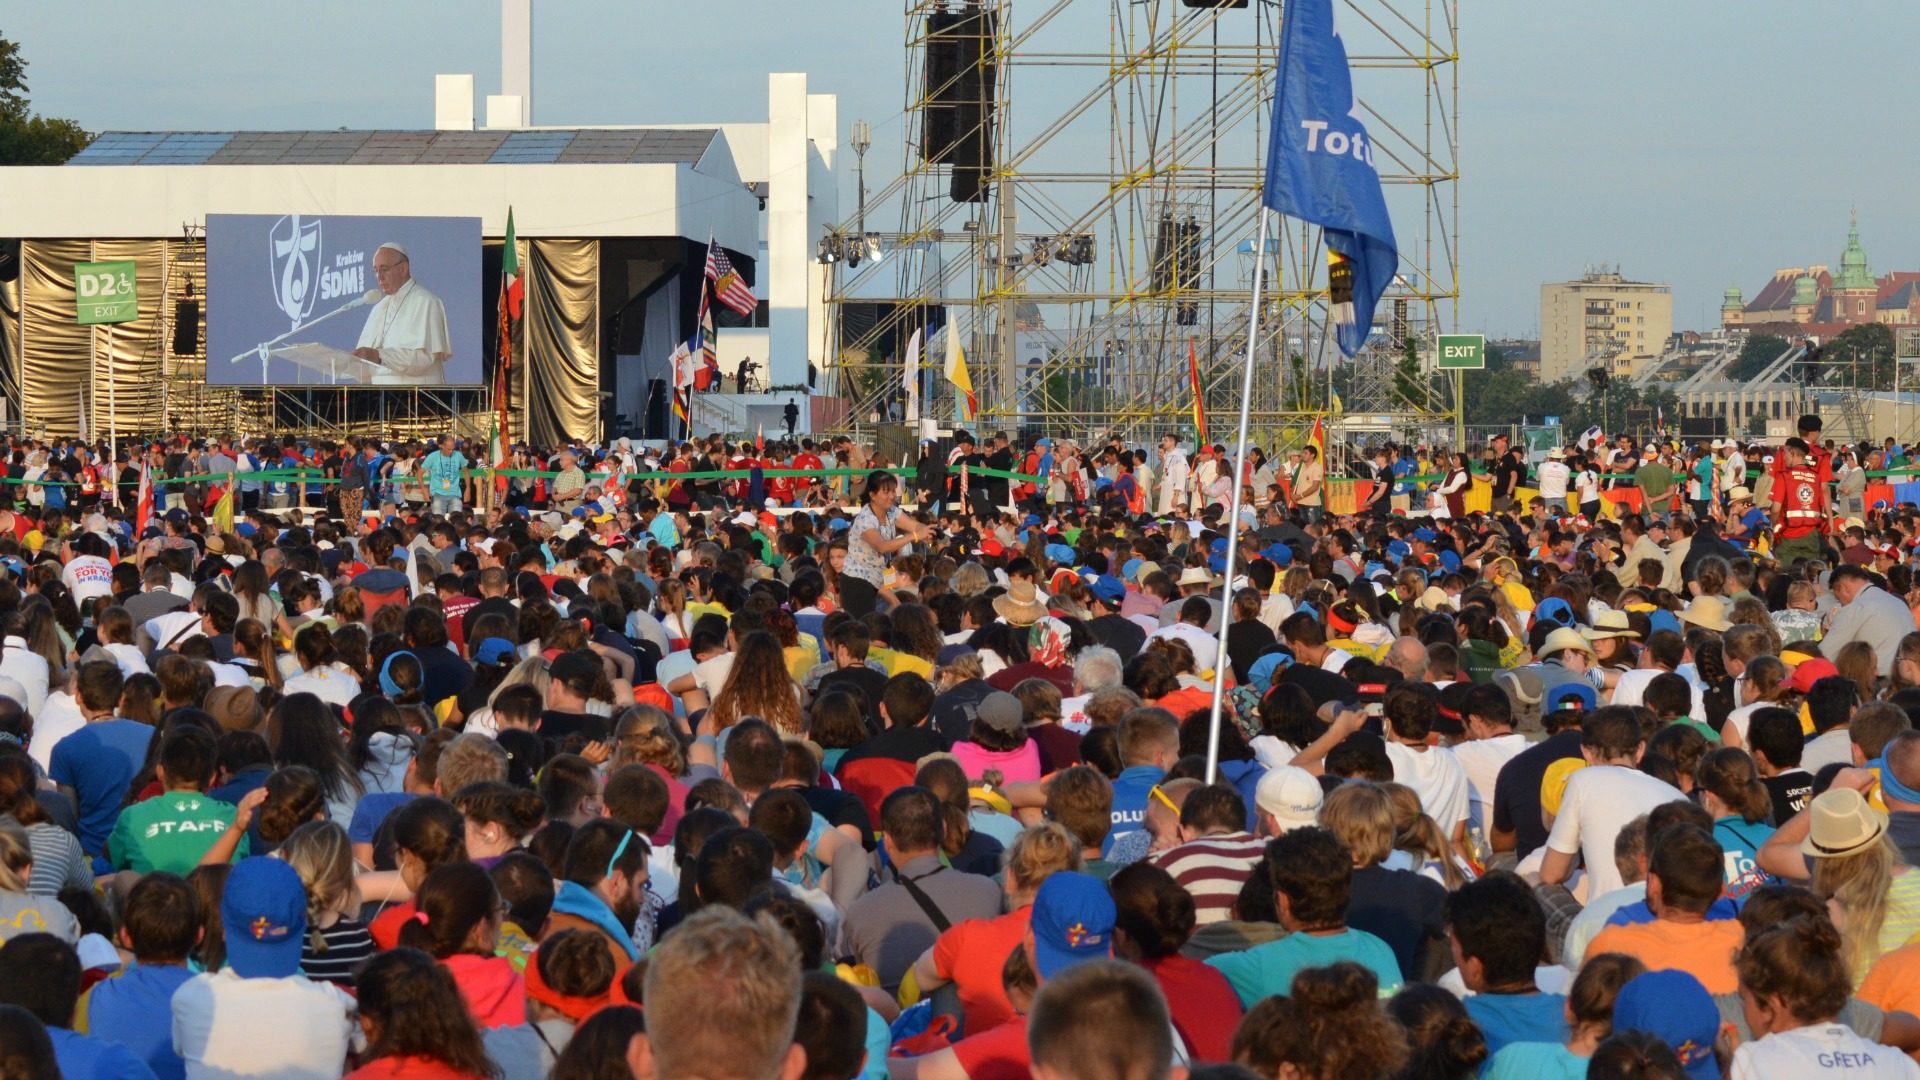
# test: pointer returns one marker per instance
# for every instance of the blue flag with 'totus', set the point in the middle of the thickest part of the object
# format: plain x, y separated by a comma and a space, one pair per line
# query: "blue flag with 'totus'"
1320, 167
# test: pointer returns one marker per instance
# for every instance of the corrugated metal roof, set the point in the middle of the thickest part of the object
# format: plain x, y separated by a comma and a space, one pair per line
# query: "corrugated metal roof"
597, 146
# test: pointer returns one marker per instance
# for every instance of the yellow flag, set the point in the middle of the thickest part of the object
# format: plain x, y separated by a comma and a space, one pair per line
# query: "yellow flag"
957, 370
223, 510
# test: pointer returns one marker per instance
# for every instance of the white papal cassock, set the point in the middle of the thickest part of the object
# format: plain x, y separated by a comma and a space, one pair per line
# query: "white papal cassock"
410, 330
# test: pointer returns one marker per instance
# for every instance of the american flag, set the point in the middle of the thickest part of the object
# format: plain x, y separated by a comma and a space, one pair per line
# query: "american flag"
728, 286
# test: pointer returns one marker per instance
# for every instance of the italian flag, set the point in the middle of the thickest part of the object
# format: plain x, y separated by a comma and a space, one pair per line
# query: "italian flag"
511, 295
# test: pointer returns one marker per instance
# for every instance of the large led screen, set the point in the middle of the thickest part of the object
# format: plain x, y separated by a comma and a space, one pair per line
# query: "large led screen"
342, 300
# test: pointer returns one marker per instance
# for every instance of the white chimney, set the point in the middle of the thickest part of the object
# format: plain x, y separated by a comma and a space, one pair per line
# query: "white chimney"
516, 60
453, 102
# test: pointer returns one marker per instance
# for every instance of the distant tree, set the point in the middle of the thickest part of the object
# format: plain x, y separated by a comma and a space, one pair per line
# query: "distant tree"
27, 138
1870, 345
1408, 383
1759, 351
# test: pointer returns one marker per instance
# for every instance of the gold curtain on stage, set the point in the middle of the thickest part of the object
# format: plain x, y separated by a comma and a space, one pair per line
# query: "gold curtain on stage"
55, 372
558, 386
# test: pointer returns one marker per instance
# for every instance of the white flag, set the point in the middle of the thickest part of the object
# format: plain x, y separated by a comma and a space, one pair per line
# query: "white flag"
912, 377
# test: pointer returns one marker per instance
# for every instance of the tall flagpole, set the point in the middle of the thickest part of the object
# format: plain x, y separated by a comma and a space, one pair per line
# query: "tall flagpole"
1221, 665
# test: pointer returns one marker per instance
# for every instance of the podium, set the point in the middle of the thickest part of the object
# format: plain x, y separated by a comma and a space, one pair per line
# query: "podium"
328, 365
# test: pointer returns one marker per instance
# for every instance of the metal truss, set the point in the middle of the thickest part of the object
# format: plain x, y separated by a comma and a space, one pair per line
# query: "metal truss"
1153, 149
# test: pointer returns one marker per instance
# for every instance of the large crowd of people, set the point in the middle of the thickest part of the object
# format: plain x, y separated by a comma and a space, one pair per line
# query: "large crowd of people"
748, 761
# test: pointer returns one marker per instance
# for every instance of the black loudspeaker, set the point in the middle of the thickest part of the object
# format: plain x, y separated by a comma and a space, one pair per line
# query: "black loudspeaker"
937, 132
186, 328
960, 85
1215, 3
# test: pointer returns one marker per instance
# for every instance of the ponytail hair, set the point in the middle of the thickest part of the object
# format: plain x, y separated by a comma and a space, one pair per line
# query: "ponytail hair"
1443, 1040
948, 782
453, 900
1591, 998
1799, 961
1729, 773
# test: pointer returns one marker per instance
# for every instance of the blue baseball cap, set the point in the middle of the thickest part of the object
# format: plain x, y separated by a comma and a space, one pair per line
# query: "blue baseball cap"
264, 908
1580, 693
1673, 1005
1060, 553
1127, 568
494, 650
1425, 534
1072, 921
1030, 520
1108, 588
1554, 610
1399, 549
1278, 554
1661, 619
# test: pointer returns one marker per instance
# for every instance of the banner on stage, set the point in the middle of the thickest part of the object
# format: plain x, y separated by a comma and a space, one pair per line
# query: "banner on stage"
335, 299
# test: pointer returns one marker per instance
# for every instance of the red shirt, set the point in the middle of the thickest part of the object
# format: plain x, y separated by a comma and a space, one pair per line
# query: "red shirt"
1205, 1008
385, 927
998, 1053
454, 611
971, 955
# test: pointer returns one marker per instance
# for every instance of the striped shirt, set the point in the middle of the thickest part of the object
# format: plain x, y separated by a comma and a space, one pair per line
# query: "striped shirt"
1213, 869
58, 861
347, 943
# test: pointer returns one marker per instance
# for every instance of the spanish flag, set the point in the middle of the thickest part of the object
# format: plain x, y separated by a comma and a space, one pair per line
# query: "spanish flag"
957, 370
1199, 406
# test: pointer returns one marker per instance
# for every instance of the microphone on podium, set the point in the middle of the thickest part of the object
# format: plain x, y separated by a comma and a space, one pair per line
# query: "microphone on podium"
371, 296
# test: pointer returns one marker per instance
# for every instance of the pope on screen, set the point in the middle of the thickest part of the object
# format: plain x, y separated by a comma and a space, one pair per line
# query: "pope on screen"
406, 332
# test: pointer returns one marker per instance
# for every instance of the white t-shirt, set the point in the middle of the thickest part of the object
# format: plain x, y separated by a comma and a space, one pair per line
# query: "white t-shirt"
330, 684
1481, 759
1600, 800
88, 576
711, 674
1436, 776
292, 1028
1829, 1049
1586, 484
1631, 689
1553, 482
1739, 718
1204, 646
57, 720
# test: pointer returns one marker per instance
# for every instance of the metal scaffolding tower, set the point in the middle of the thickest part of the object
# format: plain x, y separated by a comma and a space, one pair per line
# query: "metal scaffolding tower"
1083, 218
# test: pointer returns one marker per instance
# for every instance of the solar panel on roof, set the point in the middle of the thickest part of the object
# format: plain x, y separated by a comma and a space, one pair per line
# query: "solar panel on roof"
583, 146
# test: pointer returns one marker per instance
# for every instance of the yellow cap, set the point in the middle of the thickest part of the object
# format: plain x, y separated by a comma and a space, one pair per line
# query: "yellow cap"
1553, 786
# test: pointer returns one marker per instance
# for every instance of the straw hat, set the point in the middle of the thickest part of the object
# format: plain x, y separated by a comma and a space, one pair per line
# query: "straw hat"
1565, 638
1740, 493
1610, 624
1020, 604
1840, 823
1707, 611
1195, 575
1145, 570
1434, 599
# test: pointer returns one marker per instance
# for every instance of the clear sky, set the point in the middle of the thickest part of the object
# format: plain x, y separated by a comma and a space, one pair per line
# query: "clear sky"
1700, 144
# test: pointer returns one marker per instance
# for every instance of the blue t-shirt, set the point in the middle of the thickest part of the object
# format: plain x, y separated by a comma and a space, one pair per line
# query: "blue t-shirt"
135, 1010
98, 762
373, 810
84, 1058
1268, 969
1740, 843
1131, 789
1518, 1018
443, 473
1535, 1061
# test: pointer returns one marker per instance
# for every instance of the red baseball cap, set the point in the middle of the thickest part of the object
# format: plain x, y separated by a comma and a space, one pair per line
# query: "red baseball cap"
1811, 671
